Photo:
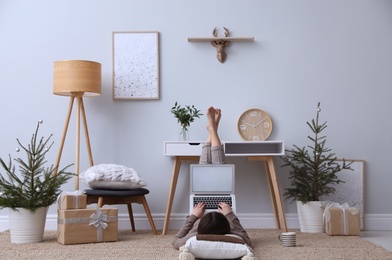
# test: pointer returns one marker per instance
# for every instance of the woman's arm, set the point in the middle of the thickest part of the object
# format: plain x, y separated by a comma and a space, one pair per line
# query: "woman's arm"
190, 226
187, 230
237, 229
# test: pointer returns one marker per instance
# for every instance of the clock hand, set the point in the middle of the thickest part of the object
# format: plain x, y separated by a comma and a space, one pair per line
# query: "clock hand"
252, 125
260, 122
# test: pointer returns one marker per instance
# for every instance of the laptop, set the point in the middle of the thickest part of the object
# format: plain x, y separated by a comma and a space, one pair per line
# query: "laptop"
211, 184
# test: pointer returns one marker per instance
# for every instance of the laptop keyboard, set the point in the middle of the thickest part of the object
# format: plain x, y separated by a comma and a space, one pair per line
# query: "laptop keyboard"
211, 202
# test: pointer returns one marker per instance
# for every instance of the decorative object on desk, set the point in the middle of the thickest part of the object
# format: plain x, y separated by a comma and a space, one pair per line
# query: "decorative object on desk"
28, 196
254, 125
312, 175
135, 65
76, 79
185, 116
220, 43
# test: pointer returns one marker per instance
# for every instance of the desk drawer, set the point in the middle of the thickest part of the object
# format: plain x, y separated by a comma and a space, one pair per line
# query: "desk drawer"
247, 148
182, 148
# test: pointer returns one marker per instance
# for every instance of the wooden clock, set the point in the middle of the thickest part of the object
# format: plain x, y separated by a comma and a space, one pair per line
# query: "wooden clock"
254, 125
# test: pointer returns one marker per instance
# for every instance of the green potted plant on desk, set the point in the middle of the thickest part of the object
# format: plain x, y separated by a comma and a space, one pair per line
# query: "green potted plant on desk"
313, 175
29, 194
185, 116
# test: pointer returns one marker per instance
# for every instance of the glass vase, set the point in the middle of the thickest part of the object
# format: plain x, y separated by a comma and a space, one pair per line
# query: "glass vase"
184, 134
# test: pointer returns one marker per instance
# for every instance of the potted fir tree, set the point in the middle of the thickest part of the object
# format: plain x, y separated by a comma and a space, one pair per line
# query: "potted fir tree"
312, 174
29, 194
185, 116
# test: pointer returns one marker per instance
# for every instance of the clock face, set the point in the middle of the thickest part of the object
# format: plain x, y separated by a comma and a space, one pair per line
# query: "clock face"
254, 125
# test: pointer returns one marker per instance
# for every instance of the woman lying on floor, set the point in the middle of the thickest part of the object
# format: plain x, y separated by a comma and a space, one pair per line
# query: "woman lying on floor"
220, 222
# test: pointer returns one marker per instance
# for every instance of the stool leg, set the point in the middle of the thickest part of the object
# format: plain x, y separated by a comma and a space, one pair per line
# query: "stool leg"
147, 209
130, 212
100, 202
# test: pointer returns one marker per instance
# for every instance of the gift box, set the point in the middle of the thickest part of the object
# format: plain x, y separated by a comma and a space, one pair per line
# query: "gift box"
342, 221
78, 226
72, 200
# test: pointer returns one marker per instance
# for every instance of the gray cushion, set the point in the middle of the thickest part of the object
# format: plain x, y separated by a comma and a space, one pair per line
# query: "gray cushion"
117, 193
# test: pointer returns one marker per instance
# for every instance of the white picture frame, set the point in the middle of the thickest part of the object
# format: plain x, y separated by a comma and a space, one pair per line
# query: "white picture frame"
352, 190
135, 65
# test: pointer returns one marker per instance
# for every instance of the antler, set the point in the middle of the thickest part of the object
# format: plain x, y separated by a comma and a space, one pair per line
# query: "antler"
214, 32
226, 32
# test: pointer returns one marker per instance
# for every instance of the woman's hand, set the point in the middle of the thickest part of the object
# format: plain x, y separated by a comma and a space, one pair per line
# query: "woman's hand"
224, 208
198, 210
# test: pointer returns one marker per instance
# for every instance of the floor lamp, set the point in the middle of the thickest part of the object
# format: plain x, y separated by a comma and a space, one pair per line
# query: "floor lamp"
76, 79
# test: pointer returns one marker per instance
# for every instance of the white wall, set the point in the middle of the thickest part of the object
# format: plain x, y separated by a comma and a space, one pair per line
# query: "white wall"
335, 52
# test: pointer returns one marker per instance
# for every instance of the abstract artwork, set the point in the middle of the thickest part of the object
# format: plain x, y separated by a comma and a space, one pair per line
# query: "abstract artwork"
135, 65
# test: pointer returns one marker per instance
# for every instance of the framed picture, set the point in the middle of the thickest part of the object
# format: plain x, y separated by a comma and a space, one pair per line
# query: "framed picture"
135, 65
352, 190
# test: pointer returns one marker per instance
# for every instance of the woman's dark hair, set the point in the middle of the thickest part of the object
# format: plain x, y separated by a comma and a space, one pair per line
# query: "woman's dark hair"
214, 223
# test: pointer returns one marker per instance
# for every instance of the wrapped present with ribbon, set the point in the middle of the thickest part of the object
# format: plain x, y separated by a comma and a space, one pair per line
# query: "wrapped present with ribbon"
72, 200
341, 220
79, 226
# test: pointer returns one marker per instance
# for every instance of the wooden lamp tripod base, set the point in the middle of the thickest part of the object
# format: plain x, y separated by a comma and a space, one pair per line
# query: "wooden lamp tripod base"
80, 112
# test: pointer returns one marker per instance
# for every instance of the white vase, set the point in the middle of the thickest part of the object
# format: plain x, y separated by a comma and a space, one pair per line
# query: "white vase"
310, 216
27, 226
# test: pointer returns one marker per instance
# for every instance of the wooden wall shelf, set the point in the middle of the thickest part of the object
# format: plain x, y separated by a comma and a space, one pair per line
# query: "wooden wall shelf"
227, 39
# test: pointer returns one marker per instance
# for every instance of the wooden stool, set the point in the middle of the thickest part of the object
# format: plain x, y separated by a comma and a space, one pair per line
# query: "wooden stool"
111, 197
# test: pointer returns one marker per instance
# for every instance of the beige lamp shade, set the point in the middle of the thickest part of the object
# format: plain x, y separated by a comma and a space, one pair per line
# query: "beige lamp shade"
77, 76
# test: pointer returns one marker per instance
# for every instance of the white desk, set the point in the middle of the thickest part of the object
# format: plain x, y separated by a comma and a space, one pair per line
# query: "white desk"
254, 151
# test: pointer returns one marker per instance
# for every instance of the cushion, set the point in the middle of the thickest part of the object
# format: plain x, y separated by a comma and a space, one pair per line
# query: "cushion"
117, 193
221, 238
112, 177
217, 247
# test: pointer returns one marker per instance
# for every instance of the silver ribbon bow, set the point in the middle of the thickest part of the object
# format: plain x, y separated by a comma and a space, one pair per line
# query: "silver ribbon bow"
99, 221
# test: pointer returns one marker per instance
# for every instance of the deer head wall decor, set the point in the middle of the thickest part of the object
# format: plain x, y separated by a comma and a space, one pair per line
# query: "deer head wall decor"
220, 44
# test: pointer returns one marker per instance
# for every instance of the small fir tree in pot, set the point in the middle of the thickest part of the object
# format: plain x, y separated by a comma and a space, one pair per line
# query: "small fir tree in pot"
37, 186
313, 168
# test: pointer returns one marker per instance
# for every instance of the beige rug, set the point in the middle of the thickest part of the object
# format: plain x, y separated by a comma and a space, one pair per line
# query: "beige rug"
144, 245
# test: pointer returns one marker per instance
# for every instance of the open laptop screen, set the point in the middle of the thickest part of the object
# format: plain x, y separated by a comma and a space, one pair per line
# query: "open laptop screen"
212, 178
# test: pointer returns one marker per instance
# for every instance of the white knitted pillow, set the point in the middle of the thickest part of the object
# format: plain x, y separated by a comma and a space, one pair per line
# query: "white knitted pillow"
214, 249
112, 177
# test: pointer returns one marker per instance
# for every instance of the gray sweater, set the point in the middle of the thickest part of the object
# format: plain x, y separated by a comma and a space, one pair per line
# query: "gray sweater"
189, 229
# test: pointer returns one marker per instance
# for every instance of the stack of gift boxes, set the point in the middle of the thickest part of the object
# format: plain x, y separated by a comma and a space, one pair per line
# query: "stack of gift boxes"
341, 220
77, 224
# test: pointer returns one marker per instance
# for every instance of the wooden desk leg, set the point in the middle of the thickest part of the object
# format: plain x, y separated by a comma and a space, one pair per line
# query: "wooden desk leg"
272, 195
173, 185
176, 170
278, 198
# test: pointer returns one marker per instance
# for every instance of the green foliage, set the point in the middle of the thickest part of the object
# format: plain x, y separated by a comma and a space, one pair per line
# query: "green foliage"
185, 115
38, 186
313, 170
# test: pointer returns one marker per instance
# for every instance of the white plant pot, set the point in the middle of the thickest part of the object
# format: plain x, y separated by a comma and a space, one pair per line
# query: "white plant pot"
310, 216
27, 226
